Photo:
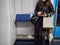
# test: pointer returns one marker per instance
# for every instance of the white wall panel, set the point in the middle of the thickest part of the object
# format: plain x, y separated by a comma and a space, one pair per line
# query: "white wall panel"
4, 31
18, 5
28, 6
12, 15
7, 27
25, 6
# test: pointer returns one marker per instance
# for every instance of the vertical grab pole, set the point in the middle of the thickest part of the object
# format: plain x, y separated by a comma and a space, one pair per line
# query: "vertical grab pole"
55, 22
22, 6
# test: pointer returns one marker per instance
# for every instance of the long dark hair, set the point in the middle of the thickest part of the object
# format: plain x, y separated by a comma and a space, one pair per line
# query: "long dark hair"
40, 3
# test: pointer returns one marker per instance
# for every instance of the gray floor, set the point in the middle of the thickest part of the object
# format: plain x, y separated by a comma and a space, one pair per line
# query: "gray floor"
31, 42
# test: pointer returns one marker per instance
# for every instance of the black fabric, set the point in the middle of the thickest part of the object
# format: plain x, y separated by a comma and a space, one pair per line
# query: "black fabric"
39, 31
48, 10
51, 9
34, 19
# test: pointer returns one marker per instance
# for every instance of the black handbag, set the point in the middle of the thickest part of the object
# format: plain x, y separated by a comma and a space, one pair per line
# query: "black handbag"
34, 19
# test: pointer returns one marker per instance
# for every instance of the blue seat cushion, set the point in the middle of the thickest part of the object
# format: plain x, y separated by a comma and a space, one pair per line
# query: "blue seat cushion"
22, 17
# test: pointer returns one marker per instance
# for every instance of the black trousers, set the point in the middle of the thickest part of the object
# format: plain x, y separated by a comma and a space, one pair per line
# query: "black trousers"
39, 34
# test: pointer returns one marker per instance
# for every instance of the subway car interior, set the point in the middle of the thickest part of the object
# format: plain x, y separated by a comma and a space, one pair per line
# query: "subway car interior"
56, 35
15, 25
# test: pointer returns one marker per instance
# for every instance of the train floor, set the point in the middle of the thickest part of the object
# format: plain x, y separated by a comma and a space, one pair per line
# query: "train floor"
31, 42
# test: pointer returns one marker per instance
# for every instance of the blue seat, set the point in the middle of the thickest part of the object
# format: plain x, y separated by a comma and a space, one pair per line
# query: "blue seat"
22, 17
57, 31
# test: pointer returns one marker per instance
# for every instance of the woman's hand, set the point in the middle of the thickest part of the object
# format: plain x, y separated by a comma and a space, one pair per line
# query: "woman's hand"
44, 14
41, 14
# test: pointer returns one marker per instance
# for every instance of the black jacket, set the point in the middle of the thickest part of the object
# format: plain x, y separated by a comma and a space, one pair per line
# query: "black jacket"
37, 9
50, 9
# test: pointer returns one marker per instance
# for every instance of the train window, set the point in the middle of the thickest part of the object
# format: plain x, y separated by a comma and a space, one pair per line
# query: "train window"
58, 6
58, 16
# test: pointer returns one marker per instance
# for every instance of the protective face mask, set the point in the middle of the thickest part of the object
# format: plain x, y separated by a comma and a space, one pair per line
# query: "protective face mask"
43, 0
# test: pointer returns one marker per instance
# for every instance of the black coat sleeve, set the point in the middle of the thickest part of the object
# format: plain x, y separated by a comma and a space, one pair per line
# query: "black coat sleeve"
36, 9
51, 8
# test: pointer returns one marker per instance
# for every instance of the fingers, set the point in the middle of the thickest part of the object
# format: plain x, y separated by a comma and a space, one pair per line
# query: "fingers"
39, 13
45, 14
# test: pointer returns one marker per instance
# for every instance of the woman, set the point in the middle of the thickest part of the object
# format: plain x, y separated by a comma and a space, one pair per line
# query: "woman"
43, 8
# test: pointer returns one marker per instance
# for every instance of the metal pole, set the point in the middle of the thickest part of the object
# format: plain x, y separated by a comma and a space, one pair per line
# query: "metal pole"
22, 6
55, 23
